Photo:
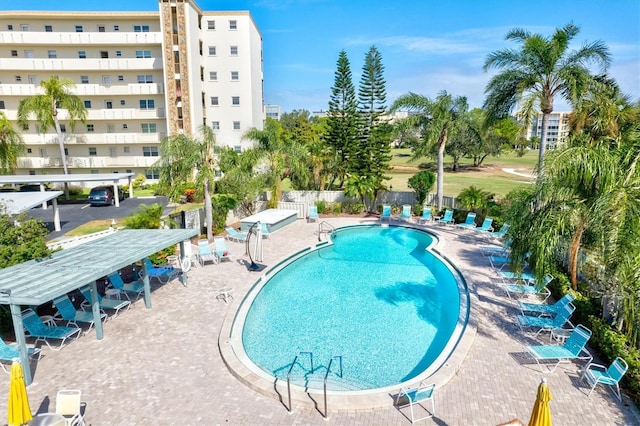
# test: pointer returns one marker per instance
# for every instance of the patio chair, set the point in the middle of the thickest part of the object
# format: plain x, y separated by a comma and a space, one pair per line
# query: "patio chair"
386, 213
313, 214
220, 249
105, 302
36, 328
486, 225
574, 348
9, 352
162, 273
426, 216
235, 235
597, 373
497, 251
470, 221
68, 405
205, 254
544, 309
447, 218
127, 289
266, 233
501, 233
527, 287
416, 396
546, 323
406, 212
68, 313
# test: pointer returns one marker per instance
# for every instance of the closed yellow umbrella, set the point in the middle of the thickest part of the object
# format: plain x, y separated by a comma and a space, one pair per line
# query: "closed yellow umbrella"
541, 414
19, 411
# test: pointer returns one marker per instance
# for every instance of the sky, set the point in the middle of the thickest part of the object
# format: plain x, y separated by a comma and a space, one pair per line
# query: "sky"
427, 46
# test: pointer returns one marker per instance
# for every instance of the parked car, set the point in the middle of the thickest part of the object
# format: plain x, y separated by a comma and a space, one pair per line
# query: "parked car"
103, 196
32, 187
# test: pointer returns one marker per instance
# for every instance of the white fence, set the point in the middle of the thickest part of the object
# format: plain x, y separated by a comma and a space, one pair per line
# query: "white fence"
384, 197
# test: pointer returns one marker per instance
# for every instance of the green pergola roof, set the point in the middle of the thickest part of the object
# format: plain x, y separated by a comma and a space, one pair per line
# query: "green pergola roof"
38, 281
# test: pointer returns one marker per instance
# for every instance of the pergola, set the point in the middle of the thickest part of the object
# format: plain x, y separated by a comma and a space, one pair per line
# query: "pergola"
17, 202
39, 281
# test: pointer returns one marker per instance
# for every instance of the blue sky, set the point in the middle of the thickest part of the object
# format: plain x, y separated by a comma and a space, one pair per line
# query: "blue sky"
426, 45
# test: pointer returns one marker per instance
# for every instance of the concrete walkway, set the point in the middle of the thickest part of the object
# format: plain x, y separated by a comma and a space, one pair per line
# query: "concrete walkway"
163, 367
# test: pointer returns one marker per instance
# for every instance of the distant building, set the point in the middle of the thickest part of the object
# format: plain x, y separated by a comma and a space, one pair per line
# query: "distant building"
141, 75
557, 128
272, 111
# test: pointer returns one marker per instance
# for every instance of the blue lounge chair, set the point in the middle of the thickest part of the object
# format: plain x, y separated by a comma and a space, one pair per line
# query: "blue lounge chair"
313, 214
416, 396
105, 302
546, 323
235, 235
68, 313
426, 216
386, 213
406, 212
543, 309
36, 328
162, 273
496, 251
205, 254
574, 348
220, 249
501, 233
470, 221
597, 373
136, 287
447, 218
527, 287
9, 352
486, 225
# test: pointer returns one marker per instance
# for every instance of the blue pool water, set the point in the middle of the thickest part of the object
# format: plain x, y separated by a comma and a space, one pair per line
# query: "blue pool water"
375, 296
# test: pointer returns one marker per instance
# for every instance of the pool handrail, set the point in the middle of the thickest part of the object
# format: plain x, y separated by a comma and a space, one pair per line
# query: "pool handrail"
289, 408
326, 375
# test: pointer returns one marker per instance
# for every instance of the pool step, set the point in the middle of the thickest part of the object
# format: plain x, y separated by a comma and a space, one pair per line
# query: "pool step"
334, 382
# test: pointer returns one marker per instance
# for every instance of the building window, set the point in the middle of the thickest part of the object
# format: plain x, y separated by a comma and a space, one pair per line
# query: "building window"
143, 54
90, 128
48, 29
233, 50
43, 152
101, 29
236, 125
140, 28
14, 53
52, 54
1, 104
235, 100
124, 126
104, 54
211, 25
150, 151
28, 53
235, 76
121, 78
84, 79
108, 104
18, 79
148, 127
237, 148
142, 79
87, 104
118, 53
147, 104
212, 51
215, 125
25, 127
122, 102
82, 54
63, 128
24, 27
93, 151
95, 172
78, 28
32, 79
233, 25
126, 149
9, 27
152, 174
213, 75
116, 28
214, 101
113, 152
29, 150
111, 128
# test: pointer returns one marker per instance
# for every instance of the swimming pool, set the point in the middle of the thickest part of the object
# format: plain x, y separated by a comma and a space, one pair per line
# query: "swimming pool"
376, 297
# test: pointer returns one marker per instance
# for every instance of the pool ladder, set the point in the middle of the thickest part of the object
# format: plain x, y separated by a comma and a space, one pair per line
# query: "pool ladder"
325, 228
293, 364
326, 375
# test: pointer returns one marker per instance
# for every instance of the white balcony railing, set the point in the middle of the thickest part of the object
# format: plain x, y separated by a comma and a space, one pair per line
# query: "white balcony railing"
84, 38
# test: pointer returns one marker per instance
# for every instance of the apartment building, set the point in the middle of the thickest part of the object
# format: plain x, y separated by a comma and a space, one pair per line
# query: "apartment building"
557, 128
142, 76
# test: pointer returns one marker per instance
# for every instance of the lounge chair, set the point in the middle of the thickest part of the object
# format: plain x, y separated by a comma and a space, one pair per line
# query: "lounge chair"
162, 273
406, 212
546, 323
527, 286
544, 309
597, 373
68, 405
9, 352
486, 225
426, 216
135, 287
68, 313
416, 396
234, 235
470, 221
205, 254
36, 328
220, 249
313, 214
386, 213
501, 233
105, 302
447, 218
574, 348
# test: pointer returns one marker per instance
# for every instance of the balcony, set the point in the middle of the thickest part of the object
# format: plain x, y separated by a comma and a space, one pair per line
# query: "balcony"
84, 38
76, 64
24, 90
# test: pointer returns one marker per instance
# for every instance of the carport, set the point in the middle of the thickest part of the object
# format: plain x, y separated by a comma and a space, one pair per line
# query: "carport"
17, 202
39, 281
92, 177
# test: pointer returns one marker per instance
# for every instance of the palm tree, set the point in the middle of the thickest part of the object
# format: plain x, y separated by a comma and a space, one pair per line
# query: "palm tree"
540, 70
57, 94
437, 120
11, 145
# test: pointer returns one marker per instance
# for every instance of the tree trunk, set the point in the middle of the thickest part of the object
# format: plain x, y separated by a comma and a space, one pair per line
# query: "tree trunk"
574, 250
208, 211
543, 138
62, 154
440, 177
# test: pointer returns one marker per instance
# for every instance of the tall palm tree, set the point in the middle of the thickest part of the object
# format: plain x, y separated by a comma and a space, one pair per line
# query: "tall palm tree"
11, 145
56, 94
437, 120
540, 70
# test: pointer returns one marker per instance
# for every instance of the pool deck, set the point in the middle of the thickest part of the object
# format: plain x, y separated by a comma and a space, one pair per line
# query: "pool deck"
163, 366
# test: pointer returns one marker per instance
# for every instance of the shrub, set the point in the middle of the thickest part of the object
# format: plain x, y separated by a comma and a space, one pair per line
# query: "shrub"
322, 207
75, 190
336, 208
139, 181
190, 195
352, 208
422, 182
221, 204
418, 209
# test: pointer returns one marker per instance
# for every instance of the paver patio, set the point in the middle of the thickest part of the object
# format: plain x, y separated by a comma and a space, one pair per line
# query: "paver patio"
162, 366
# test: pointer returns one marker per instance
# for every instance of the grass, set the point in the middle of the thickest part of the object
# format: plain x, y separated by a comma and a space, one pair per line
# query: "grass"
93, 226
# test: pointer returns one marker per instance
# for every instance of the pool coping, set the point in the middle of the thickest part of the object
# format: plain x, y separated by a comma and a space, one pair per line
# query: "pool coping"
237, 361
